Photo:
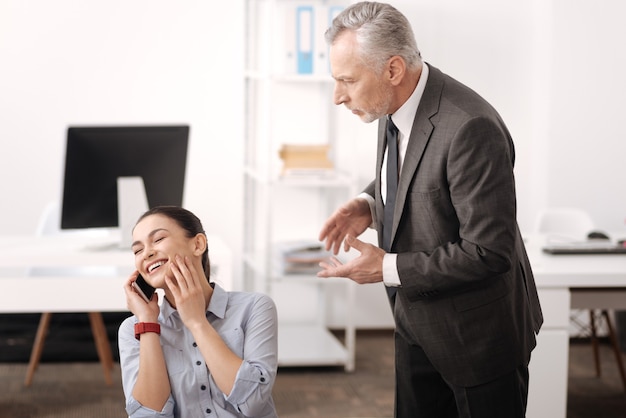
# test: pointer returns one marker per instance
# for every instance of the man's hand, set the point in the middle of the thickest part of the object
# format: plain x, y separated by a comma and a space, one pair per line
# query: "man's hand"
352, 218
366, 268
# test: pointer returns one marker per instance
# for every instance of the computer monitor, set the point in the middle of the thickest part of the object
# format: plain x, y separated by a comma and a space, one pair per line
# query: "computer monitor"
97, 156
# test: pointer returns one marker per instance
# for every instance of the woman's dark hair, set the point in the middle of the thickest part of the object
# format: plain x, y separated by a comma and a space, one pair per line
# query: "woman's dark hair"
187, 221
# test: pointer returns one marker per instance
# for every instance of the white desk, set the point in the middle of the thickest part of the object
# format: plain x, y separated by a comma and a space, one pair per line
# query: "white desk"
75, 273
87, 288
566, 282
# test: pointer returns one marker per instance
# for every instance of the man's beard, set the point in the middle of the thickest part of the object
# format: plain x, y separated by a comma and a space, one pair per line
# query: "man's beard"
378, 109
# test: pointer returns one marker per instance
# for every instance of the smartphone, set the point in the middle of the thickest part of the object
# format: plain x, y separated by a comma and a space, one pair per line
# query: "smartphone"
143, 288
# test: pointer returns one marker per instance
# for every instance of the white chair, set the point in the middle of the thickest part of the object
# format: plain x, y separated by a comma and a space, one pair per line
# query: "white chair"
574, 224
50, 224
564, 224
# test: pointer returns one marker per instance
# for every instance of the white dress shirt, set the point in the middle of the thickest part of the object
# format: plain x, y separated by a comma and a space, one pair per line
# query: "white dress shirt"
403, 119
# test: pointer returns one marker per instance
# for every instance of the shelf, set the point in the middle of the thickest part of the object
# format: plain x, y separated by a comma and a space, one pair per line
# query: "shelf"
289, 78
311, 345
287, 106
331, 179
257, 263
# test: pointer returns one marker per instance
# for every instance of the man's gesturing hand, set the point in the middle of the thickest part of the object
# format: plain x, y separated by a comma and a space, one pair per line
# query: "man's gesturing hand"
366, 268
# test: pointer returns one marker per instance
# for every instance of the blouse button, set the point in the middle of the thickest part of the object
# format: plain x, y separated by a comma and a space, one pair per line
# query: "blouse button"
198, 362
194, 344
203, 387
208, 410
262, 379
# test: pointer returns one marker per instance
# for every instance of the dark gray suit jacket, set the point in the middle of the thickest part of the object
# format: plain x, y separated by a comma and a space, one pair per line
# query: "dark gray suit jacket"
467, 287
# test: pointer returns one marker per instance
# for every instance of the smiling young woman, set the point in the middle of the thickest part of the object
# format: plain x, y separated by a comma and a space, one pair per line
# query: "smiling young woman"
202, 351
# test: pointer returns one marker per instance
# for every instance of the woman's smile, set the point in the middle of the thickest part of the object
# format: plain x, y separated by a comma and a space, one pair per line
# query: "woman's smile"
155, 265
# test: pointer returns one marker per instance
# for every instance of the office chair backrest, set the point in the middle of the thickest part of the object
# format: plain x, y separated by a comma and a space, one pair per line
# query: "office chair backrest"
50, 225
564, 223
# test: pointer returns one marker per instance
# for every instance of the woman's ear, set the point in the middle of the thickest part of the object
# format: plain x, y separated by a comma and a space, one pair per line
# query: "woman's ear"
200, 244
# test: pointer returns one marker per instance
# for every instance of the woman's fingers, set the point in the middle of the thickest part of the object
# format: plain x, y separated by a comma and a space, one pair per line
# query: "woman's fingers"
183, 278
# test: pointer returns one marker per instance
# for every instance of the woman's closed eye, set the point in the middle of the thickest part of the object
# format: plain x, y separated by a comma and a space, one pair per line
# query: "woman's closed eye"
140, 249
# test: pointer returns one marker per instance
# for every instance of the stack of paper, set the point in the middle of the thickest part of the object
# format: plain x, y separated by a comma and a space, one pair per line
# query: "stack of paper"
300, 257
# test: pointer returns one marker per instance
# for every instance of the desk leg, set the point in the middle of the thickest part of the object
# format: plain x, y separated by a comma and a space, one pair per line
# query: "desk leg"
547, 392
615, 345
102, 344
35, 354
594, 341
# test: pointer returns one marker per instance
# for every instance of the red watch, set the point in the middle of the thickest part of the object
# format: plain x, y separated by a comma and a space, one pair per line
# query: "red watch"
142, 327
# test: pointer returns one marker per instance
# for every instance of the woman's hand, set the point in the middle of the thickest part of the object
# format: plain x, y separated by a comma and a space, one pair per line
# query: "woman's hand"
190, 290
184, 284
145, 312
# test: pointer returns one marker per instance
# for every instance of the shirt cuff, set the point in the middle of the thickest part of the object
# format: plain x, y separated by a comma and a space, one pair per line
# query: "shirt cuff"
372, 204
249, 379
391, 277
136, 410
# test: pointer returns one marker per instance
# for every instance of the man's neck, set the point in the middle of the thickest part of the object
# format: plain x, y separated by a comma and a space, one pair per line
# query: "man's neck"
406, 88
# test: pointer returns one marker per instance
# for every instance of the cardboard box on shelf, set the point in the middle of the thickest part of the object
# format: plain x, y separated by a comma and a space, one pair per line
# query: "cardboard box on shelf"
305, 158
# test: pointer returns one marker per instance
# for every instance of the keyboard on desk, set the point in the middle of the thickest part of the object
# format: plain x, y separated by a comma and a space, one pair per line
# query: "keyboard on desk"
585, 248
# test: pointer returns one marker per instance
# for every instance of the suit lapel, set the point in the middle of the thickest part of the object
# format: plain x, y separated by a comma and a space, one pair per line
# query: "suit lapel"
420, 135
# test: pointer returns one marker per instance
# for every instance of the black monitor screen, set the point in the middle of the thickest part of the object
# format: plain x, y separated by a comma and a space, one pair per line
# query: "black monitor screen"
97, 156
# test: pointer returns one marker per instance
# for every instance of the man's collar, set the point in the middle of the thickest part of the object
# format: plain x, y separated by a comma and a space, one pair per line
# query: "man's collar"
403, 117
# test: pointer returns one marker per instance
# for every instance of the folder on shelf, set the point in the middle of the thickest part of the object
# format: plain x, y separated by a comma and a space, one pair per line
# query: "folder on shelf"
333, 11
326, 15
304, 39
285, 35
321, 64
300, 44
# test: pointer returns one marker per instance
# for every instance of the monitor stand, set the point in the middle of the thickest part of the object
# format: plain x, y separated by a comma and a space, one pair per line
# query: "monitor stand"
131, 204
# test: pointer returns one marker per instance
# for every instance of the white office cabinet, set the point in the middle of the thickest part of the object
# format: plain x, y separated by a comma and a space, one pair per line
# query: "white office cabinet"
288, 91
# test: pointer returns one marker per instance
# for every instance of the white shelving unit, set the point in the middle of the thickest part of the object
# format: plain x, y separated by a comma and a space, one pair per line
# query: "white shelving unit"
287, 106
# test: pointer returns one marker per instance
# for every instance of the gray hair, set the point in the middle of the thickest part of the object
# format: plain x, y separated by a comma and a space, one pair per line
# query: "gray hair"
382, 32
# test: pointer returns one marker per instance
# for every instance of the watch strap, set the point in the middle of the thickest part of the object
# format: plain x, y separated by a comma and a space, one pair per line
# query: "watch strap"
143, 327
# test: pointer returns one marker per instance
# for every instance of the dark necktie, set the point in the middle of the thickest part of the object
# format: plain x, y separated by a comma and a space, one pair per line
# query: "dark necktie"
392, 182
392, 189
